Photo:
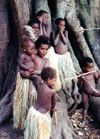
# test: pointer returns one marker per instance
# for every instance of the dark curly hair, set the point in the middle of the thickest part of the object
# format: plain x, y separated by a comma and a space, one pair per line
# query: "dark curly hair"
48, 72
58, 20
86, 60
42, 40
33, 21
39, 13
25, 41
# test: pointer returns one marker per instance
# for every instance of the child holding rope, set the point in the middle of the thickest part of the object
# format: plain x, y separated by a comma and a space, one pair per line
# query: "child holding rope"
87, 85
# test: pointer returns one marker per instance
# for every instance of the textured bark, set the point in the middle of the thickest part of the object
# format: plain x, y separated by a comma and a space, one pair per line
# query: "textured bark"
64, 128
4, 40
89, 14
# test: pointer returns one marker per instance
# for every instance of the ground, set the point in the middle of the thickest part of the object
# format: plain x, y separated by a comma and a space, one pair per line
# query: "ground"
90, 131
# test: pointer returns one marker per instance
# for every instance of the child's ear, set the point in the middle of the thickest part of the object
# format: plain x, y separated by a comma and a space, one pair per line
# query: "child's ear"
48, 79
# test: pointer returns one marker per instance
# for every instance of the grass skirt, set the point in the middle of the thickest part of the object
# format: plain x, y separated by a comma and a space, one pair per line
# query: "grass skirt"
64, 67
37, 125
24, 97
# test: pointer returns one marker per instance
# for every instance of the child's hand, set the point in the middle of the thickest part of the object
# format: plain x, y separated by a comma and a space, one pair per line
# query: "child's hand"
31, 70
37, 34
27, 74
40, 19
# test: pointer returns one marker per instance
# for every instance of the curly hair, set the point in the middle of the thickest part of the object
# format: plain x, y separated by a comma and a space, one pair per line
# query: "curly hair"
42, 40
58, 20
41, 12
33, 21
48, 72
86, 60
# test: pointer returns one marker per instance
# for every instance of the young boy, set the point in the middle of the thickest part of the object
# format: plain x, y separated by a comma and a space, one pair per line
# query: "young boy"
87, 85
60, 37
42, 16
32, 64
38, 122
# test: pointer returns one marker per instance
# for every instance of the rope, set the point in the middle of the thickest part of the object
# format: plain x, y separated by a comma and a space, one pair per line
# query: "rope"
79, 75
83, 29
91, 86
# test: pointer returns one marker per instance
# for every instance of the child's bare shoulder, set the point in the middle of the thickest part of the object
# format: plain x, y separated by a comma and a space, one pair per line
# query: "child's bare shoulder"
22, 55
46, 88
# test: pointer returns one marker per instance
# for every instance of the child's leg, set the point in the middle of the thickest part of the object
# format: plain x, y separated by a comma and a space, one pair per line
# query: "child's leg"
85, 98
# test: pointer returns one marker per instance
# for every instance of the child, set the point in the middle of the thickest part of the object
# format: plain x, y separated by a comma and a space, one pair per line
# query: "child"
42, 16
60, 58
30, 64
38, 122
25, 62
60, 37
87, 85
35, 24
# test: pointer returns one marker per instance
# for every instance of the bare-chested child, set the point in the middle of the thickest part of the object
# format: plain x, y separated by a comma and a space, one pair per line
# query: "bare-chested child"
60, 37
32, 64
87, 85
42, 16
46, 100
46, 92
26, 65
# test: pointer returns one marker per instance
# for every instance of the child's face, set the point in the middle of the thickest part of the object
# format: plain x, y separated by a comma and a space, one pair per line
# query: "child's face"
61, 25
42, 51
51, 82
36, 27
89, 67
30, 48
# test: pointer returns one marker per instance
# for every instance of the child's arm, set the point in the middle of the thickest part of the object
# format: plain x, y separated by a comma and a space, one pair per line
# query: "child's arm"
64, 37
55, 38
25, 74
38, 72
47, 63
53, 103
20, 62
46, 30
97, 78
41, 28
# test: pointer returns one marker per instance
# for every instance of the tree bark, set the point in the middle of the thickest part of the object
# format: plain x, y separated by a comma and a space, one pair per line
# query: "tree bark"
78, 46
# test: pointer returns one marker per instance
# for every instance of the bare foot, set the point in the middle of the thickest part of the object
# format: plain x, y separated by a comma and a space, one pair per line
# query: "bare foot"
83, 123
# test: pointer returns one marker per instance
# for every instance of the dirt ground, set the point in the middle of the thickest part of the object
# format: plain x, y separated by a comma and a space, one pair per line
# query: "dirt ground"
90, 131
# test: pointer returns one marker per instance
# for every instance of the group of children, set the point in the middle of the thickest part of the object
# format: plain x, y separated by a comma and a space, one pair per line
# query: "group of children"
34, 66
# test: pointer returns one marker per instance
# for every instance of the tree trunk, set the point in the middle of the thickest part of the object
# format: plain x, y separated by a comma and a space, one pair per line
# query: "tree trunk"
79, 46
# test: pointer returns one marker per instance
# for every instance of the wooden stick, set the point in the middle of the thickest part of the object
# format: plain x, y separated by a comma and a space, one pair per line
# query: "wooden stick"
86, 29
55, 117
79, 75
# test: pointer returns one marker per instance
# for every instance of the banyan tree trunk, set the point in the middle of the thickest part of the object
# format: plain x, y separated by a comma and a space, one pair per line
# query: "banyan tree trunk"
20, 12
89, 14
4, 41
